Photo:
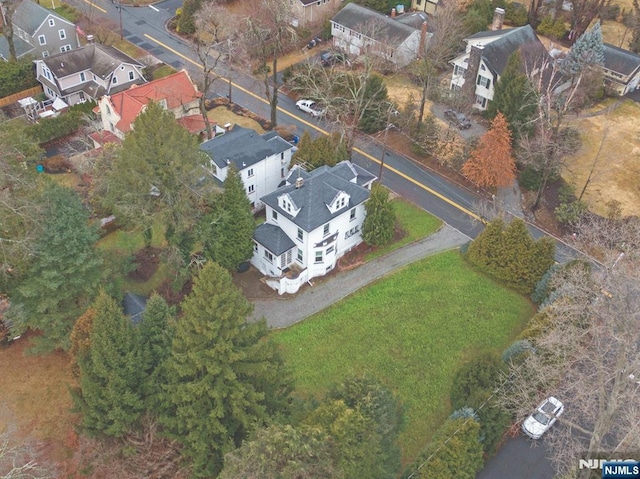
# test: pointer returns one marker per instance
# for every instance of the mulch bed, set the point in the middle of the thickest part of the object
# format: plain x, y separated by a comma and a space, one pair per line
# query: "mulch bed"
146, 264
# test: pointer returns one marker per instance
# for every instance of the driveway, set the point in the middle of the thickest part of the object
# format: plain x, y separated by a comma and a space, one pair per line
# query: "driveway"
476, 128
519, 458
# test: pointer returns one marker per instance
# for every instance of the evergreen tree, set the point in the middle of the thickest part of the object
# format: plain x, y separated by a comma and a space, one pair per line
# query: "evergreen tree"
109, 395
379, 224
491, 163
284, 452
216, 373
455, 451
373, 117
64, 274
324, 150
587, 51
81, 339
155, 174
486, 248
514, 97
156, 331
227, 230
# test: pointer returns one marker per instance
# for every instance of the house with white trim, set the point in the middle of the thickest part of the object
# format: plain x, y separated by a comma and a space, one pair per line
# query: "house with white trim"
88, 73
37, 31
621, 70
399, 39
262, 160
313, 220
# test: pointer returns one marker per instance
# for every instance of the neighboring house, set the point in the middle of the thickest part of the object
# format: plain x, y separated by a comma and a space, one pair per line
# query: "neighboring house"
427, 6
399, 39
621, 70
313, 12
174, 92
87, 73
262, 160
134, 305
311, 221
486, 57
37, 31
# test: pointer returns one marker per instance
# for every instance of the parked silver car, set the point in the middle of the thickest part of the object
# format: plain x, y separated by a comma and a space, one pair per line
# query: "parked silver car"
543, 418
458, 119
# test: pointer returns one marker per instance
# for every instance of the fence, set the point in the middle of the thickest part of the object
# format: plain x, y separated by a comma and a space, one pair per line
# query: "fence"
8, 100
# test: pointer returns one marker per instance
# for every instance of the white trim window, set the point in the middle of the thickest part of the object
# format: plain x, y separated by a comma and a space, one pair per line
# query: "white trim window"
52, 22
83, 77
114, 79
65, 48
62, 34
42, 40
45, 54
250, 173
318, 256
484, 81
132, 76
352, 214
251, 189
458, 70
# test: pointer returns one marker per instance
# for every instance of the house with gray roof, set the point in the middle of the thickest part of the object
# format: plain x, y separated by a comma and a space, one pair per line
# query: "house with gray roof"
311, 222
37, 31
486, 57
88, 73
399, 39
262, 160
309, 13
621, 70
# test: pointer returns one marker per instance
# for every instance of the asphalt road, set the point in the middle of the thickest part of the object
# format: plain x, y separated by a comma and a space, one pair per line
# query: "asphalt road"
519, 458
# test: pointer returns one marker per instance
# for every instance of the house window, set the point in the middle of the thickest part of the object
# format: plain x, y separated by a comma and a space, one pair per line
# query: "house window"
251, 188
319, 256
45, 54
131, 76
52, 23
65, 48
114, 80
352, 215
81, 96
268, 256
285, 259
281, 172
458, 70
62, 34
455, 87
274, 215
351, 232
282, 155
325, 230
42, 40
95, 78
299, 257
480, 100
300, 234
46, 71
485, 82
83, 77
330, 250
255, 247
342, 203
249, 172
50, 92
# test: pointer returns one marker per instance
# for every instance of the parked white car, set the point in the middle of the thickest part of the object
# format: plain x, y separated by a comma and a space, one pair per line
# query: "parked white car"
543, 418
309, 106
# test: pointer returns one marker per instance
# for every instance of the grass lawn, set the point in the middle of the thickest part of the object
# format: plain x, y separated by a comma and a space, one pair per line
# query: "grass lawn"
222, 115
163, 71
412, 330
415, 222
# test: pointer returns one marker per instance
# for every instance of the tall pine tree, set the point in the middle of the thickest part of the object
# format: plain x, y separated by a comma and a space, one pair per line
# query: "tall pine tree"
227, 230
514, 97
587, 51
216, 390
64, 274
379, 224
109, 394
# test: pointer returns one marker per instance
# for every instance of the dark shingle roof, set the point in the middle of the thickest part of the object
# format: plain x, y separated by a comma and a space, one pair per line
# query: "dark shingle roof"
273, 238
102, 60
619, 60
244, 147
21, 46
318, 189
413, 19
350, 171
29, 16
357, 18
134, 306
497, 53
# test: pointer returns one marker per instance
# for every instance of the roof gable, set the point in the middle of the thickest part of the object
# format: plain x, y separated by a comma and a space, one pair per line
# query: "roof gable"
619, 60
30, 16
243, 147
358, 19
102, 60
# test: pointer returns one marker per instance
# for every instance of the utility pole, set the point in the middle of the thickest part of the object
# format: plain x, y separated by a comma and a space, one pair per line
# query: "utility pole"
229, 56
384, 142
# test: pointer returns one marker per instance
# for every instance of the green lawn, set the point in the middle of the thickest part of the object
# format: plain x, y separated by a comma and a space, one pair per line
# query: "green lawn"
415, 222
412, 330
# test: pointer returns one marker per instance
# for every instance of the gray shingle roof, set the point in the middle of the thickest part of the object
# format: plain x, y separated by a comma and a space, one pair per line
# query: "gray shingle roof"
619, 60
244, 147
102, 60
133, 306
318, 189
29, 16
350, 171
358, 18
273, 238
21, 46
497, 53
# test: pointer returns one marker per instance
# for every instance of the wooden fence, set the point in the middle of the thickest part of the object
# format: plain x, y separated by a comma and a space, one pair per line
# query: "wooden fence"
8, 100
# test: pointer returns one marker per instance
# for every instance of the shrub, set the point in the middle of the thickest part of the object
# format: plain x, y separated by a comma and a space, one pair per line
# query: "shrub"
536, 326
516, 14
16, 76
514, 352
530, 178
568, 213
52, 128
56, 164
555, 29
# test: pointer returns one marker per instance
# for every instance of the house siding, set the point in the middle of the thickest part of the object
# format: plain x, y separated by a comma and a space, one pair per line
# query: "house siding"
314, 13
54, 43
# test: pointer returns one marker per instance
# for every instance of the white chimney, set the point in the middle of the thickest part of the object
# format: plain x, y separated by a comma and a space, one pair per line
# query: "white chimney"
299, 182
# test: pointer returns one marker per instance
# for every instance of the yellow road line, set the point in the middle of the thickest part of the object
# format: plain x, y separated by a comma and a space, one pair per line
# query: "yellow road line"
317, 128
95, 6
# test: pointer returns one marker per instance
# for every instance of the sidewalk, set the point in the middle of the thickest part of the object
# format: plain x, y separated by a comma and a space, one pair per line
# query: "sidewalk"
281, 313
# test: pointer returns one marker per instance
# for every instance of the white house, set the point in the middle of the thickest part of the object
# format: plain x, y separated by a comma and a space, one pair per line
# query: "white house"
621, 70
262, 160
398, 39
311, 221
486, 57
37, 31
87, 73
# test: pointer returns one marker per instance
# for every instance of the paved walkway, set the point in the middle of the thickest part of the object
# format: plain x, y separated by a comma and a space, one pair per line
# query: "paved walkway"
281, 313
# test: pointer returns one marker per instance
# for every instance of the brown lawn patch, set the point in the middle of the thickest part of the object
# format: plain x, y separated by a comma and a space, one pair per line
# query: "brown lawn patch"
401, 90
146, 261
223, 115
617, 169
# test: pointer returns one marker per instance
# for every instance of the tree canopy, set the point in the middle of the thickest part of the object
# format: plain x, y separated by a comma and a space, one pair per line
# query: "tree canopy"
379, 224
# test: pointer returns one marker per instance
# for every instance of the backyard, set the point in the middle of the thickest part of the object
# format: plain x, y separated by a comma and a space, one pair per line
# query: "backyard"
412, 330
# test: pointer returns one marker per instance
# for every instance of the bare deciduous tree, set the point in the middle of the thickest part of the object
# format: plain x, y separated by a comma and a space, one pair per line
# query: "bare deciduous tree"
269, 35
17, 462
588, 353
8, 8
